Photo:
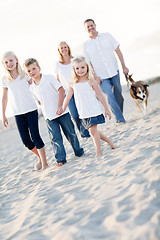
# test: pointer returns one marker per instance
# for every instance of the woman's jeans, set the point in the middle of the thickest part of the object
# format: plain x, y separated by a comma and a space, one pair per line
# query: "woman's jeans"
54, 129
74, 113
112, 88
28, 129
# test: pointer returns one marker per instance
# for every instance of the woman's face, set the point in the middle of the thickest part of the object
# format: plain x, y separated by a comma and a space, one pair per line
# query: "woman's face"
10, 62
63, 49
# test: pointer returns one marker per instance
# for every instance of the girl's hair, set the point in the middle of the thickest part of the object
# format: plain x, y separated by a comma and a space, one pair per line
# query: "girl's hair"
18, 67
61, 60
89, 75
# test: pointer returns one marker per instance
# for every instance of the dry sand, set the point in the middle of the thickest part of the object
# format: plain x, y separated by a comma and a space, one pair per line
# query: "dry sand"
116, 197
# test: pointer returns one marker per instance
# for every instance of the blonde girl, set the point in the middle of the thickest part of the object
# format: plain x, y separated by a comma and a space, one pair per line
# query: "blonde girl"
16, 83
86, 92
64, 75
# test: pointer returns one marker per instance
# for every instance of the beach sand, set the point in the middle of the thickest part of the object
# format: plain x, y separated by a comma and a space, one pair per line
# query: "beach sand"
116, 197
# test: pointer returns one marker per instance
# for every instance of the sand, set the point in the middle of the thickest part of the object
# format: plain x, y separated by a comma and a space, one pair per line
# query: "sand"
116, 197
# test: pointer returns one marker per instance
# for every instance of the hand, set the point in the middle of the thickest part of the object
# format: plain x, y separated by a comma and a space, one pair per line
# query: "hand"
98, 80
59, 111
108, 113
125, 70
5, 121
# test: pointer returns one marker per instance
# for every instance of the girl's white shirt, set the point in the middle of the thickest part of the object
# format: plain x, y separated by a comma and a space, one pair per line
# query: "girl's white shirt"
65, 73
19, 93
86, 101
47, 93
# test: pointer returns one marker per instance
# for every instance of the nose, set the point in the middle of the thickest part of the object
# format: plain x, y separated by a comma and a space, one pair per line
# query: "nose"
143, 96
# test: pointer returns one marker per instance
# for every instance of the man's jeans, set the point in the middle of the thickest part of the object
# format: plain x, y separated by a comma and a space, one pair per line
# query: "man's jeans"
74, 113
112, 88
54, 130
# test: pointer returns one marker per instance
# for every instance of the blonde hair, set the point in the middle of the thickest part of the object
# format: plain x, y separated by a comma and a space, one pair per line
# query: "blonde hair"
89, 74
61, 60
30, 61
18, 67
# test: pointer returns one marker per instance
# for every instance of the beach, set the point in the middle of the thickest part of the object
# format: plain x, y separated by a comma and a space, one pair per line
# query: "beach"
116, 197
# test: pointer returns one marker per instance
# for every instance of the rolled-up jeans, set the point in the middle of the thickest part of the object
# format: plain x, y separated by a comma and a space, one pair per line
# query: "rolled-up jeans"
112, 88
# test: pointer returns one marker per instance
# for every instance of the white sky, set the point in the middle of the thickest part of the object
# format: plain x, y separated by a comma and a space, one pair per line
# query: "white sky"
33, 28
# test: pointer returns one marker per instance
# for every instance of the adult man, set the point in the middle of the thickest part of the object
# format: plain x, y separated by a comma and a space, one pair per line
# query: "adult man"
100, 50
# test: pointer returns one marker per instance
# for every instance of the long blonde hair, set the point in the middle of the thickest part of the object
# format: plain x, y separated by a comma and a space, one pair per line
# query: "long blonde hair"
19, 69
89, 74
61, 60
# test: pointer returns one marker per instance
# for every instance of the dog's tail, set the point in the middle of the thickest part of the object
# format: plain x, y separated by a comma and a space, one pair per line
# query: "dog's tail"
129, 79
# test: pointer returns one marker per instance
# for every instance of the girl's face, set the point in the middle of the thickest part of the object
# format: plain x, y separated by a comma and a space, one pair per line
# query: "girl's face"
10, 62
63, 49
80, 69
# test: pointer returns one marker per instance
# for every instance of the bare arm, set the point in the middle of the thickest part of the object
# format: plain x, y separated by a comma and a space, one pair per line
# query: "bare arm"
58, 78
4, 106
98, 79
60, 100
120, 56
68, 98
100, 97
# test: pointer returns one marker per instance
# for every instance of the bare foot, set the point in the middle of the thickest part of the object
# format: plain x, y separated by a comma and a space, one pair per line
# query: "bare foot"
59, 164
98, 155
38, 166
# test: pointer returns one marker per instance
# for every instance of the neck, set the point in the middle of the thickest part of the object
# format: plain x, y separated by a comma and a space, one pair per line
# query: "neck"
14, 73
93, 35
37, 79
66, 59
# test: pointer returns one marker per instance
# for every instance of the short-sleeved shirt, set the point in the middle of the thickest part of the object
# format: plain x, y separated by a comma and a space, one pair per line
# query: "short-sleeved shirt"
65, 74
101, 53
19, 93
47, 93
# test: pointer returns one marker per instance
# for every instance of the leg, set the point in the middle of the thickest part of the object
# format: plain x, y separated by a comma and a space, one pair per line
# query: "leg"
96, 137
74, 113
69, 131
106, 139
56, 140
32, 119
106, 87
117, 90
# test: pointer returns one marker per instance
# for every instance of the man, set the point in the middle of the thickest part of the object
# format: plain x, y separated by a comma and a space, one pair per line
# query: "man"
100, 50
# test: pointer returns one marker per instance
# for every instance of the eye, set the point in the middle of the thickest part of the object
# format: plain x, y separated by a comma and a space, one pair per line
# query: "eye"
77, 68
28, 71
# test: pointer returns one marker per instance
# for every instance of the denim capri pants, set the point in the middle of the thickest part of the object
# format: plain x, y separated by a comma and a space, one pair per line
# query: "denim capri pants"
28, 129
91, 121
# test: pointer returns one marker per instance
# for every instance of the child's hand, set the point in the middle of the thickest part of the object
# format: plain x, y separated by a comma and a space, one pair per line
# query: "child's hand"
108, 113
59, 111
5, 121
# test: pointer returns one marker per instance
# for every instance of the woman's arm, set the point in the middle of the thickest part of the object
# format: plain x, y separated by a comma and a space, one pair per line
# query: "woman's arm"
4, 106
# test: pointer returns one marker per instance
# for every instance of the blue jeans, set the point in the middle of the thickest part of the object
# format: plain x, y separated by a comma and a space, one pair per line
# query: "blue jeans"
54, 130
112, 88
28, 129
74, 113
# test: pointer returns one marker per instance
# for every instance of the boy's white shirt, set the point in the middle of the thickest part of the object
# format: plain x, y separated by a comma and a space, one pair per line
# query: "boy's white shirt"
20, 96
47, 93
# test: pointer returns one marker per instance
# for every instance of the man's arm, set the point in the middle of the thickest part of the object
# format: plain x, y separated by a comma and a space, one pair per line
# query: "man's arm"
120, 56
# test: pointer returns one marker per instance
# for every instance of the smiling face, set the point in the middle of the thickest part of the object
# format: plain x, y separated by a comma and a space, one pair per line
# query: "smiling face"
90, 28
10, 62
63, 49
80, 69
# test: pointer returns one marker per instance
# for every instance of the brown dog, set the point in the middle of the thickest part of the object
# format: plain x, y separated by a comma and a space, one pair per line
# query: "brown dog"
139, 93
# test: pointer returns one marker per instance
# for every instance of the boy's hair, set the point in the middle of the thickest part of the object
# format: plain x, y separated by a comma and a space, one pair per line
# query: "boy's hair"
19, 69
61, 60
88, 20
89, 74
30, 61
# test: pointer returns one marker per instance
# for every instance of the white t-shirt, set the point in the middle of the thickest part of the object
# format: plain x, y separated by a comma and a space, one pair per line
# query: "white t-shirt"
21, 98
86, 101
101, 53
65, 74
47, 93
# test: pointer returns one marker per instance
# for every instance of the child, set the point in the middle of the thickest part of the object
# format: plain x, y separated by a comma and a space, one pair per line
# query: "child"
16, 83
84, 88
50, 93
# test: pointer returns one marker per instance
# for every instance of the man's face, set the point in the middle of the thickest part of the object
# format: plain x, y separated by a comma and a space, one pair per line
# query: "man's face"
90, 27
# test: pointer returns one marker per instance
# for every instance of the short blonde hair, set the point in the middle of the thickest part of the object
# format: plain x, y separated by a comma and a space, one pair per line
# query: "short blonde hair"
61, 60
19, 69
30, 61
89, 74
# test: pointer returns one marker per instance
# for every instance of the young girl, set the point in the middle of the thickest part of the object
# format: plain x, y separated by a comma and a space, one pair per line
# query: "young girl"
85, 90
24, 108
64, 75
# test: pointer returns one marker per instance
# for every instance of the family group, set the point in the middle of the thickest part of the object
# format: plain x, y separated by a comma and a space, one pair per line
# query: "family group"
75, 91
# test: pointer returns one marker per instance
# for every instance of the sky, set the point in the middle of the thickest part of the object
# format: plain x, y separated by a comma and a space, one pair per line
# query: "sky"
33, 28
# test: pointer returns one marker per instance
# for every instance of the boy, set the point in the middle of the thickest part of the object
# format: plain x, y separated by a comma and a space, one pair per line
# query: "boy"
50, 94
